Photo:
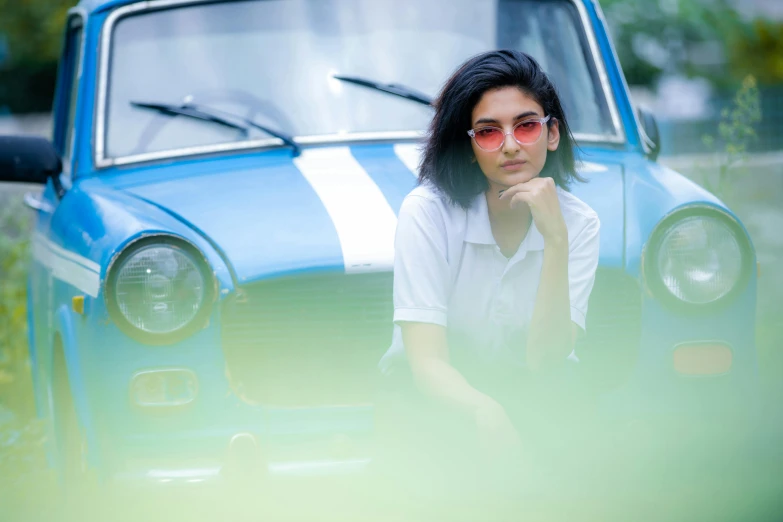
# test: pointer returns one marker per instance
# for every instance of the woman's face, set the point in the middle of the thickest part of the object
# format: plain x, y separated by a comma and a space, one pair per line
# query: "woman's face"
513, 162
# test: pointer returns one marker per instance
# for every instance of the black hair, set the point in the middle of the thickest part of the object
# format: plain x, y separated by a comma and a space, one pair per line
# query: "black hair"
446, 162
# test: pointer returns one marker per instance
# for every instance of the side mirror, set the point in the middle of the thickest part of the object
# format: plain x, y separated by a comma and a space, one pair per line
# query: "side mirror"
650, 135
28, 159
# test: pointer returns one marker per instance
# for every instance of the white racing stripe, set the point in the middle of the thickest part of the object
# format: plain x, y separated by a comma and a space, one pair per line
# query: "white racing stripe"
589, 166
410, 155
92, 265
67, 266
364, 221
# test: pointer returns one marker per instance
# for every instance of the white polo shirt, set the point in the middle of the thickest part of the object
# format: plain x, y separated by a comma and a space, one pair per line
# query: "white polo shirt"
448, 270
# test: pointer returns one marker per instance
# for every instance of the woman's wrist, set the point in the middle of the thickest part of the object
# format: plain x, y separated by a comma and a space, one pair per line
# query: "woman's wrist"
557, 242
555, 233
441, 380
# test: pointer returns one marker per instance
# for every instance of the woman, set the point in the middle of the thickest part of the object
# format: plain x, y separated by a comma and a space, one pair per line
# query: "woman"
494, 260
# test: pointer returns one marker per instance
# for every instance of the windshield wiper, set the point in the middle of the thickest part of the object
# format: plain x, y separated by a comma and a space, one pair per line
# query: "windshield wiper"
200, 112
391, 88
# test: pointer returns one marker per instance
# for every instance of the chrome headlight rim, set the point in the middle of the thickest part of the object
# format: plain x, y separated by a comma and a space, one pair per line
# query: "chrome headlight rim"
200, 319
653, 281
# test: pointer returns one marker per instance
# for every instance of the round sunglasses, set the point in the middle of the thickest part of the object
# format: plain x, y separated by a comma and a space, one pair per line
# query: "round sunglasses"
525, 132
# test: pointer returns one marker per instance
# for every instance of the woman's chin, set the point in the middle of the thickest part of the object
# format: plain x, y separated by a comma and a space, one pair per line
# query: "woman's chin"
515, 178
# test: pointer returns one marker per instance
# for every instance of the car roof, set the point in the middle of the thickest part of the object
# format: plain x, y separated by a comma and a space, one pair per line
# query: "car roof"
91, 6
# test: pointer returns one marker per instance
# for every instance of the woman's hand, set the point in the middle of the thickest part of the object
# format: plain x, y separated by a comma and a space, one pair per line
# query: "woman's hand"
540, 194
498, 437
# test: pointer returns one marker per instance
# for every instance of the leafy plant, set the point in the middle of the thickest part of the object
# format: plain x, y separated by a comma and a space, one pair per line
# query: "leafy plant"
14, 251
736, 129
21, 436
15, 224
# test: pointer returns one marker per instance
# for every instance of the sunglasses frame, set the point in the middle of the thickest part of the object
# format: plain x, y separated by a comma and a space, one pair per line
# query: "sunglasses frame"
542, 121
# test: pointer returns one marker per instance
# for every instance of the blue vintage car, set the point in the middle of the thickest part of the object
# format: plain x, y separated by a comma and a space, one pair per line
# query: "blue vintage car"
213, 246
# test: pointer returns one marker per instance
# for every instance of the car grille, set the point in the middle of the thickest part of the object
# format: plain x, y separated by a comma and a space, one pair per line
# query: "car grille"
317, 339
308, 340
609, 350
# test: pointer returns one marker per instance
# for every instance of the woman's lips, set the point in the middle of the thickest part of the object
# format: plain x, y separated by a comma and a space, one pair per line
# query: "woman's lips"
513, 165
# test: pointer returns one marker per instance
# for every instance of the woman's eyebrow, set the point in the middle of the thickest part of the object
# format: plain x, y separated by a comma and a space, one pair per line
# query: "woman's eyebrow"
525, 115
517, 117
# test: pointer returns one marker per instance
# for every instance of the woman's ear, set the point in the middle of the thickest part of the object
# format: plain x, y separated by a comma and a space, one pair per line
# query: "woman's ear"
553, 135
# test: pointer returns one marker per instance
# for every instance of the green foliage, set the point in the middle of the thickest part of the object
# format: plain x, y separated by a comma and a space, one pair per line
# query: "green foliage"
705, 38
760, 53
736, 129
34, 29
21, 436
656, 37
14, 253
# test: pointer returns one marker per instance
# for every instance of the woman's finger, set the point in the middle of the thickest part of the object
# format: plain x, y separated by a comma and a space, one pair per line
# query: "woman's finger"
521, 197
509, 193
533, 185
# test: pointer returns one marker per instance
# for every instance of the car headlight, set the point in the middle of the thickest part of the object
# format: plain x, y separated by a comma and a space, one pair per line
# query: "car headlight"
698, 256
159, 290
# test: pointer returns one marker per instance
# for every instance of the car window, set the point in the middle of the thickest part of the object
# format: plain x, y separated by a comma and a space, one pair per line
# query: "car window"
274, 61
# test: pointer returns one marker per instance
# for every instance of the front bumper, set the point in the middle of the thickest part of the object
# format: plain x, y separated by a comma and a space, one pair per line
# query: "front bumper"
266, 443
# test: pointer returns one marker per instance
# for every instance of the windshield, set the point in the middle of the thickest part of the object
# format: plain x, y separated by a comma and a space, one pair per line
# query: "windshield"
274, 62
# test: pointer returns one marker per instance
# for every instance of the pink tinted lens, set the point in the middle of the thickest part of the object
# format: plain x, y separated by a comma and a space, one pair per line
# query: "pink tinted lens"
527, 131
489, 138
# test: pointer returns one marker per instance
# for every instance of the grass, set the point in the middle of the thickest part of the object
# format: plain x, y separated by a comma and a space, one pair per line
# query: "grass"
25, 481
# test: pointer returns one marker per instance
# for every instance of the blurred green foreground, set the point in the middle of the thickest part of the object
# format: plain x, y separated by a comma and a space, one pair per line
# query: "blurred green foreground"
628, 474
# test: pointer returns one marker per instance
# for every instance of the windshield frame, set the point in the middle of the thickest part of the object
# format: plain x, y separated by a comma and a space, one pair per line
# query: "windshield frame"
99, 128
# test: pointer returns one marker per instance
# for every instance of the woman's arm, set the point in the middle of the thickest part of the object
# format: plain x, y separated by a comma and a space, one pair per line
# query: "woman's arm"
421, 288
551, 334
428, 355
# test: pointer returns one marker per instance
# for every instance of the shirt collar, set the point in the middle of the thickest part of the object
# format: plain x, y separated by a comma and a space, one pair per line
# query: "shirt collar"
479, 230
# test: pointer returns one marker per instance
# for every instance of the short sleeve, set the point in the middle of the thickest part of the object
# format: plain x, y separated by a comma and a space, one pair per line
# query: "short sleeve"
421, 271
582, 264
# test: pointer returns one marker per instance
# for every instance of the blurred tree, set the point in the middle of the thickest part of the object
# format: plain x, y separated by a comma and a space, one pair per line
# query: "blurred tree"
32, 31
760, 53
706, 38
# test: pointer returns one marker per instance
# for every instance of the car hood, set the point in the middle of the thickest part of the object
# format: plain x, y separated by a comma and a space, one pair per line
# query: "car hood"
331, 208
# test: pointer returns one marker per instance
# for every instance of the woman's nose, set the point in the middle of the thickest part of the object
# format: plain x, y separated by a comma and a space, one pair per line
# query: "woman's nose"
510, 145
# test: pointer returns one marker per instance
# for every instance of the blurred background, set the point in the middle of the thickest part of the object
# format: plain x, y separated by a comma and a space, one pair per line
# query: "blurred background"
710, 70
